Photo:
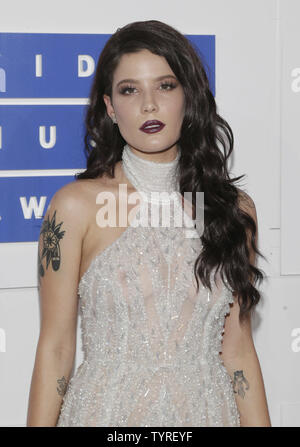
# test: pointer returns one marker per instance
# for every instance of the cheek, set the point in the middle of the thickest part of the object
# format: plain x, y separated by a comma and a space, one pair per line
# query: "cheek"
178, 106
180, 111
126, 110
183, 104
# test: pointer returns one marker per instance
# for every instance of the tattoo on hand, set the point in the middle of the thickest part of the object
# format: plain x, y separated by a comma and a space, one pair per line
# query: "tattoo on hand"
62, 388
240, 383
51, 235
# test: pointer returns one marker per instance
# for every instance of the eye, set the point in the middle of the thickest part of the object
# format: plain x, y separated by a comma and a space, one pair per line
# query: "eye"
128, 89
168, 85
125, 89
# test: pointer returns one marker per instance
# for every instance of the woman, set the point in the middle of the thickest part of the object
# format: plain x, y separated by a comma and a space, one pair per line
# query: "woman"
154, 301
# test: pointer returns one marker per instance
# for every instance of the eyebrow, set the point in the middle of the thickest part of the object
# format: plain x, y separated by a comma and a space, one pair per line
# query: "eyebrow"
137, 82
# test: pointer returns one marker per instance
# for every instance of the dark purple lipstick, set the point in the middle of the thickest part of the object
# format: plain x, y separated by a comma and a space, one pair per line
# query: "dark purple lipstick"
152, 126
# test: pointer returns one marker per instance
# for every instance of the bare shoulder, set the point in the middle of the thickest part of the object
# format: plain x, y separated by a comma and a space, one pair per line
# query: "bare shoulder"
73, 201
247, 204
75, 196
70, 197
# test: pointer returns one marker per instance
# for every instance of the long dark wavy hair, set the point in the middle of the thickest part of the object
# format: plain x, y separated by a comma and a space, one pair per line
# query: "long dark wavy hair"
206, 142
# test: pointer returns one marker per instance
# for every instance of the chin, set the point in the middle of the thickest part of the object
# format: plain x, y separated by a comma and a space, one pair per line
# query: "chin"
153, 147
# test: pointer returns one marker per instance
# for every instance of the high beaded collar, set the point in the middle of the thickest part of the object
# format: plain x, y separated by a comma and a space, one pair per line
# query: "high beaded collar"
149, 176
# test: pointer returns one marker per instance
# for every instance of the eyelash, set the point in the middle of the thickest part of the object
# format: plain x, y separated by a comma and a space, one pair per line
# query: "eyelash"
129, 87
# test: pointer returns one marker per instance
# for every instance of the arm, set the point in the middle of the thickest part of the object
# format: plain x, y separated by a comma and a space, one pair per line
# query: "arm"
240, 358
59, 254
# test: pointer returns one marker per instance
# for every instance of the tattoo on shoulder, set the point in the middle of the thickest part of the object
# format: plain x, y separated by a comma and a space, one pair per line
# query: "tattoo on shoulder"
240, 383
51, 236
62, 386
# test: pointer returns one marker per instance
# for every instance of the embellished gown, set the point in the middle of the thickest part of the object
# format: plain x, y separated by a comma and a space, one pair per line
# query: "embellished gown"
151, 343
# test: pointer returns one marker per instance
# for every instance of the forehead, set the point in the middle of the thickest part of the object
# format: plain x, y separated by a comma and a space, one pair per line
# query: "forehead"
143, 65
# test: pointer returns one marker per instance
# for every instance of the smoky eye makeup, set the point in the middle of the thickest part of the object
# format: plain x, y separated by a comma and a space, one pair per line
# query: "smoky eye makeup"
167, 85
124, 88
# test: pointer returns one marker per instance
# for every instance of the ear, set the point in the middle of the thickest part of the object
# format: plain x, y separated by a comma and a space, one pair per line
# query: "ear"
109, 106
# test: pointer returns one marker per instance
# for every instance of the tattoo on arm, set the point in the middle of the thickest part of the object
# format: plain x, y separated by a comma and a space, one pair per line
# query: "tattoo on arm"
240, 383
62, 386
51, 235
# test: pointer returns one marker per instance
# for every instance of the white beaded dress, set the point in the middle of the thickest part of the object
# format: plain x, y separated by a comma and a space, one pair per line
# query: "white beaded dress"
151, 343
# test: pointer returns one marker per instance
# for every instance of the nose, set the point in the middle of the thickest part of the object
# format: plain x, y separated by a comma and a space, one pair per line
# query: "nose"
149, 104
149, 107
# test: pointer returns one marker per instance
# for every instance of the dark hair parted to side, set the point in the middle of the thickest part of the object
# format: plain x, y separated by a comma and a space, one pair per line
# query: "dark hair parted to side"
202, 165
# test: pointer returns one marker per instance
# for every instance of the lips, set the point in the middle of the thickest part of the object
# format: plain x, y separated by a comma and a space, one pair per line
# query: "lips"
152, 126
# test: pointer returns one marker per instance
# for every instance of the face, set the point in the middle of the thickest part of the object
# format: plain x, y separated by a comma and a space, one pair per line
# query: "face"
153, 93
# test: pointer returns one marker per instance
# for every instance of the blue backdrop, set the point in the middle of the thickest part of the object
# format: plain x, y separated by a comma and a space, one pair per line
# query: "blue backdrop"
41, 137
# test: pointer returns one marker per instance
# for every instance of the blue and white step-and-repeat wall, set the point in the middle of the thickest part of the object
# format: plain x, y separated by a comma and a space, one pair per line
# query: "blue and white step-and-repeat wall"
48, 55
41, 137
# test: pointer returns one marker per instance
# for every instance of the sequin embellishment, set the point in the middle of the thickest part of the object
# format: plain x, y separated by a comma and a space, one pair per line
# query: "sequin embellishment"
151, 343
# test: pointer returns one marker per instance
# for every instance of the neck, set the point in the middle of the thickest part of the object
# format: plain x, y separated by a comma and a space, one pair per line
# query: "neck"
149, 176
